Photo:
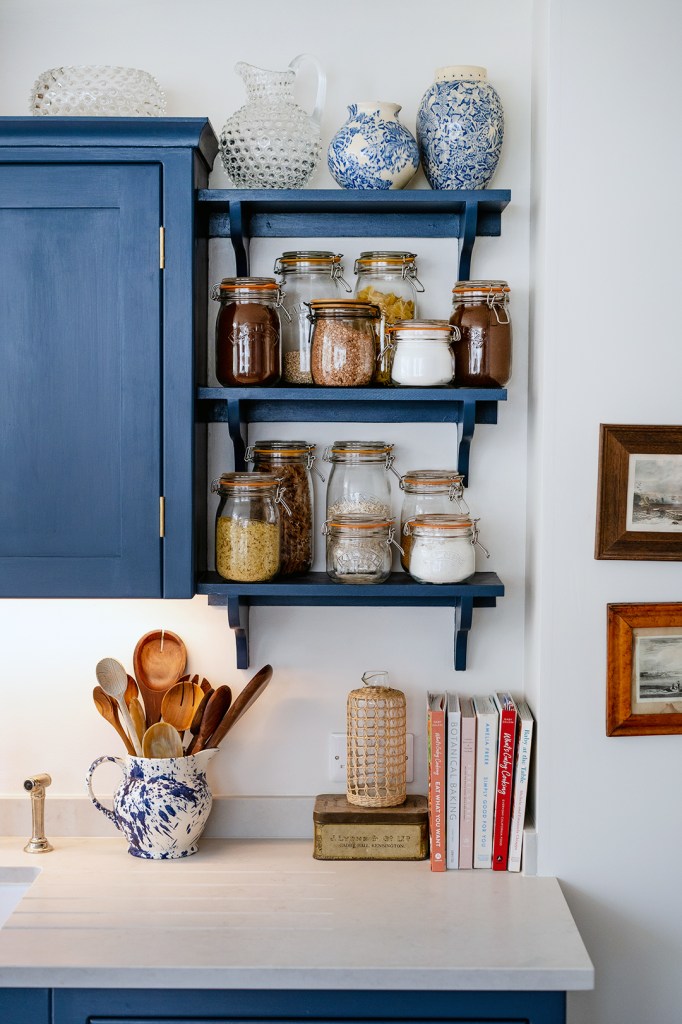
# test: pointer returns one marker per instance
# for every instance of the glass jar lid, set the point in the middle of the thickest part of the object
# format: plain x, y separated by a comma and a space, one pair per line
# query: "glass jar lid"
309, 261
247, 482
483, 288
258, 288
342, 309
387, 261
284, 449
440, 524
358, 451
430, 481
421, 330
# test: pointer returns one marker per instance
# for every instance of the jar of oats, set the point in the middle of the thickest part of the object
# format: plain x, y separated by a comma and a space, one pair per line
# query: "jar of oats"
247, 532
388, 279
306, 275
291, 463
344, 342
359, 482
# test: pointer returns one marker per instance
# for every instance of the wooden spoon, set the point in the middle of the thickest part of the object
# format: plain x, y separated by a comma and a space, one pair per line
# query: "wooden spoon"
137, 714
242, 703
131, 690
216, 708
196, 721
106, 710
158, 662
162, 740
113, 679
180, 703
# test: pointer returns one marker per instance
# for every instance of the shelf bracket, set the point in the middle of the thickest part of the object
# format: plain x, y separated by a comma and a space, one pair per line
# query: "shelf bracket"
234, 423
239, 237
238, 619
467, 423
464, 613
468, 239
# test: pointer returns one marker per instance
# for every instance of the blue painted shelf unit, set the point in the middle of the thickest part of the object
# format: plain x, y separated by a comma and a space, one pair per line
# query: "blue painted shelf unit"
244, 214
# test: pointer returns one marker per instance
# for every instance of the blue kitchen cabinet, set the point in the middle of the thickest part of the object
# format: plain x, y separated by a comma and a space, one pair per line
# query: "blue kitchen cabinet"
25, 1006
101, 274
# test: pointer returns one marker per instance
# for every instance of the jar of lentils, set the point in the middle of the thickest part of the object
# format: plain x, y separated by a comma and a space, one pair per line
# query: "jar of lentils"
248, 347
344, 339
291, 463
483, 350
359, 482
305, 275
359, 548
247, 534
388, 279
428, 492
442, 548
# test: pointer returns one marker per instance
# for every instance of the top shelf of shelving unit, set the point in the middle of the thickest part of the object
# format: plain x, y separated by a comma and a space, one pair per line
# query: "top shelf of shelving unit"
242, 214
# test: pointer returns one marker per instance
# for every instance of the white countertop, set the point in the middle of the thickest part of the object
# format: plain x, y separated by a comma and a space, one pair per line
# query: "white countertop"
265, 914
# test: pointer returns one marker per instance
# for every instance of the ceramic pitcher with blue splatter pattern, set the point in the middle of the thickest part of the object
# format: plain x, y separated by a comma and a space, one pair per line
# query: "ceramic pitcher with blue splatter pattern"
162, 805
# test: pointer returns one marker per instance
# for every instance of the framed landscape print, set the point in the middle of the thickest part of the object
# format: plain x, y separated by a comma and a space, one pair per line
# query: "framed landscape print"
639, 501
644, 669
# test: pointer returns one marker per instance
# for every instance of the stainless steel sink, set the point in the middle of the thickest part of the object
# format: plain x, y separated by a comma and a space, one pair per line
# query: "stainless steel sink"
14, 882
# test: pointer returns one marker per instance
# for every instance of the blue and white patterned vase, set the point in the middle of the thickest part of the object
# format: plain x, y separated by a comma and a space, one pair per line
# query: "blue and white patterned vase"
373, 149
460, 128
162, 805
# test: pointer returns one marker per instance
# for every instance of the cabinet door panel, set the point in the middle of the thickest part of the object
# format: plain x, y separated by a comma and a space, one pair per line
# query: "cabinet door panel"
80, 463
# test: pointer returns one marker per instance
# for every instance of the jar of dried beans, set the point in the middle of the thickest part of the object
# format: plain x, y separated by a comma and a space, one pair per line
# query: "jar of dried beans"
343, 342
248, 332
428, 492
291, 462
306, 275
388, 279
483, 351
422, 353
442, 548
247, 534
359, 480
359, 548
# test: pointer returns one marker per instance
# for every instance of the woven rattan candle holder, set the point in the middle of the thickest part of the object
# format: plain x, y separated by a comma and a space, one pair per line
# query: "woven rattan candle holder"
376, 743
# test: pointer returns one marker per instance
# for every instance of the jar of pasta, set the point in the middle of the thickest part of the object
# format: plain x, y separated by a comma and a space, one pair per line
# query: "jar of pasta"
359, 548
248, 331
388, 279
483, 350
428, 492
359, 482
442, 548
306, 275
247, 533
344, 342
291, 463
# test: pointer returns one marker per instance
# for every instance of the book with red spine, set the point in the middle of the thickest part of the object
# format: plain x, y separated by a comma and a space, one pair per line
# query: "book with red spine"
467, 773
435, 732
505, 774
524, 744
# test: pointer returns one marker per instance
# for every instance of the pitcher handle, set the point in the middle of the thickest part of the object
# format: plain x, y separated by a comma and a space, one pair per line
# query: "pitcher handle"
88, 781
321, 82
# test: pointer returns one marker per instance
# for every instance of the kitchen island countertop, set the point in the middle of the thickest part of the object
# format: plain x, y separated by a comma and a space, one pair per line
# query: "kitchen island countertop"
264, 914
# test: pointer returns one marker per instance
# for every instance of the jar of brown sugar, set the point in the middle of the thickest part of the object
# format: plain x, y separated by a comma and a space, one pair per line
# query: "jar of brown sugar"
483, 352
344, 345
248, 347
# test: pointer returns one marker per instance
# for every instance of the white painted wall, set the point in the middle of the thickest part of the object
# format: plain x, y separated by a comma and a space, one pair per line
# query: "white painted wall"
605, 151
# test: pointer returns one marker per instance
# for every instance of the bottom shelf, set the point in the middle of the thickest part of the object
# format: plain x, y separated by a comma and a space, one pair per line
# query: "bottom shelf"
315, 588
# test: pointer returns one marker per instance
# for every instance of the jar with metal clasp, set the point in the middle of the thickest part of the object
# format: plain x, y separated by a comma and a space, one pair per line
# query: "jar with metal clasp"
359, 480
389, 280
306, 275
483, 350
359, 548
291, 462
248, 348
343, 342
442, 548
247, 535
422, 354
428, 492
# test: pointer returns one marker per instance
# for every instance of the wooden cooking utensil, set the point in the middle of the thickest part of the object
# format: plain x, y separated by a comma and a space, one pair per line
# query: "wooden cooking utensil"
158, 662
204, 684
131, 690
113, 679
180, 703
162, 740
107, 711
242, 703
137, 714
216, 708
195, 724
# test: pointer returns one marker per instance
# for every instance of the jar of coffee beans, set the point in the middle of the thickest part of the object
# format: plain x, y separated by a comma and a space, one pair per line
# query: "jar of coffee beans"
344, 342
428, 492
359, 480
483, 350
359, 548
248, 347
291, 463
247, 535
306, 275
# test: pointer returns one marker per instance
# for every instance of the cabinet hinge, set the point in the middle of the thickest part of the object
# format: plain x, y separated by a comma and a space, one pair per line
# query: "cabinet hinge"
162, 248
162, 516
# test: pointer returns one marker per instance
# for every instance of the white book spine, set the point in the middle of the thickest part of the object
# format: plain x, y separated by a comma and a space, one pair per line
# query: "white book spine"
486, 763
525, 740
454, 740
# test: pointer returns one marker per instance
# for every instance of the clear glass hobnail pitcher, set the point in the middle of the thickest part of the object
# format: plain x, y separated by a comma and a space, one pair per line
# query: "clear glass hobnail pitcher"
271, 142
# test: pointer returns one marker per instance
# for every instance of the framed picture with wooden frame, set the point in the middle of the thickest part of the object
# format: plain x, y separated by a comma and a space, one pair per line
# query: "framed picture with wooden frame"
639, 501
644, 669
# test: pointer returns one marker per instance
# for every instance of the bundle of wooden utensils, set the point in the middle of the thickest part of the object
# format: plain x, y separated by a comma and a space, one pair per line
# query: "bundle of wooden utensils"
161, 712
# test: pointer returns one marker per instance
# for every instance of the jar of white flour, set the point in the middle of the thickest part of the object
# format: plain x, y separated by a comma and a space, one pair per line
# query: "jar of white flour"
441, 548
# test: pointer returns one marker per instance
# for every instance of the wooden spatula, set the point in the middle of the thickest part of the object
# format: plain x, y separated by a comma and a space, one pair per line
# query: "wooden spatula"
180, 703
215, 710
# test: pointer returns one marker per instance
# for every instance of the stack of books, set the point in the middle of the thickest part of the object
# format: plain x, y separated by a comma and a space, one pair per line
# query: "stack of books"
479, 752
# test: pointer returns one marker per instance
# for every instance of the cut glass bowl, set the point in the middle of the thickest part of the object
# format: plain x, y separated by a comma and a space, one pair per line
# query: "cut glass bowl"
97, 91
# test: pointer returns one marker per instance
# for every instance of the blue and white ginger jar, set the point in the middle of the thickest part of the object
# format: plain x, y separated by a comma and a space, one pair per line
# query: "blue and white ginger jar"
460, 128
373, 149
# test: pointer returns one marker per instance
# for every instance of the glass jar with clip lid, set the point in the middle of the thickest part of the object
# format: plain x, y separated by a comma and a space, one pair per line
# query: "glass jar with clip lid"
344, 344
483, 350
248, 348
306, 275
359, 480
291, 462
442, 548
359, 548
247, 535
428, 492
389, 280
